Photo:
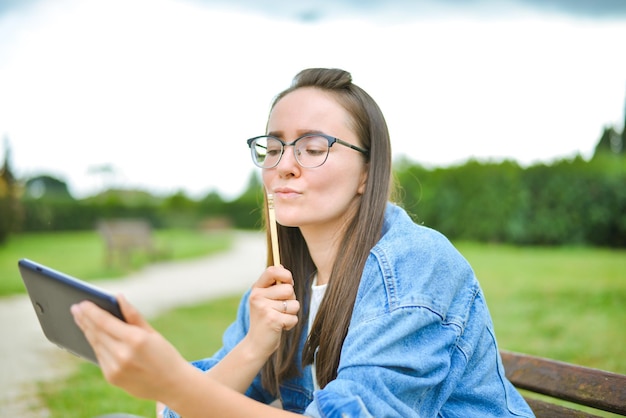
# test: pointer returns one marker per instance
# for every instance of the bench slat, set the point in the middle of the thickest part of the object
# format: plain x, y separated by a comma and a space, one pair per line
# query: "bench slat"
543, 409
582, 385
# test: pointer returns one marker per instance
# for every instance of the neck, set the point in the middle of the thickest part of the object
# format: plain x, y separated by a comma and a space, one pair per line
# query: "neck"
323, 248
323, 241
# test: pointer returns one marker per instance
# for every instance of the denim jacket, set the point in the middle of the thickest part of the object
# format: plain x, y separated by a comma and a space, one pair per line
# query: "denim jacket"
420, 342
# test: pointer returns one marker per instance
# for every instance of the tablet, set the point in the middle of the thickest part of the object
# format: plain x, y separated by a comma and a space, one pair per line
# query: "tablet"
52, 294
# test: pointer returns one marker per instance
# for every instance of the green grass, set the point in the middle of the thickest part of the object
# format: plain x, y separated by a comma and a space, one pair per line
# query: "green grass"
82, 254
196, 332
563, 303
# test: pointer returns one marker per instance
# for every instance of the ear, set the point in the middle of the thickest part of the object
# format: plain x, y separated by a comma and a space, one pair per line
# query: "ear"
363, 180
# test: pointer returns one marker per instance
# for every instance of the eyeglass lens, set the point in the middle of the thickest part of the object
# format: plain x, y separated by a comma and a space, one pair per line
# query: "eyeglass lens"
310, 151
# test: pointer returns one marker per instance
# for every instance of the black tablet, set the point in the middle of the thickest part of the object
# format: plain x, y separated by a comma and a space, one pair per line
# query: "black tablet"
52, 294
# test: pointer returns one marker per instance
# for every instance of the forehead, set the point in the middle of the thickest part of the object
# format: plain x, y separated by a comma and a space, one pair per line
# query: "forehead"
308, 108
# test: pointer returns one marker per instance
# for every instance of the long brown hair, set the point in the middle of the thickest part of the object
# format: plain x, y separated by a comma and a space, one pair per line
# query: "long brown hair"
362, 232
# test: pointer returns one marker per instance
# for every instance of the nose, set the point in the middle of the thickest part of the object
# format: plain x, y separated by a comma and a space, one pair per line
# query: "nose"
288, 165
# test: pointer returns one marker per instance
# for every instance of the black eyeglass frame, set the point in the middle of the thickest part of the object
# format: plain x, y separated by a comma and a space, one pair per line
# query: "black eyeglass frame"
331, 141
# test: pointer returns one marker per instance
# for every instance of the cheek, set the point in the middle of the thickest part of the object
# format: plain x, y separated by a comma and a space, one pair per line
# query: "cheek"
266, 177
337, 184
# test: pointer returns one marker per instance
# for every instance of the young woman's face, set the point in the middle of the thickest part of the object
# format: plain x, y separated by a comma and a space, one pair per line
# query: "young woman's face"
323, 197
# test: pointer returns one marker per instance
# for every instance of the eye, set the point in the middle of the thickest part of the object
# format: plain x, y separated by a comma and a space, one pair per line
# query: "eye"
272, 152
274, 148
313, 146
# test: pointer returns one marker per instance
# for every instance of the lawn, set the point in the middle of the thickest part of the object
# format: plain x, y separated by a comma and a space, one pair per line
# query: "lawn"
563, 303
82, 253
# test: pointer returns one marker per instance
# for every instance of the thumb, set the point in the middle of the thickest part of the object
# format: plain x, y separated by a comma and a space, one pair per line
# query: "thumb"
132, 315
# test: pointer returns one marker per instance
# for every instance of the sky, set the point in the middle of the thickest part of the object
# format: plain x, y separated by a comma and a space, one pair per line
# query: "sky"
161, 95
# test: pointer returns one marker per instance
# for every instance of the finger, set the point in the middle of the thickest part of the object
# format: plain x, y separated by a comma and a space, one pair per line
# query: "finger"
288, 306
273, 275
90, 319
271, 298
279, 292
289, 310
102, 328
160, 407
289, 321
132, 315
284, 276
88, 316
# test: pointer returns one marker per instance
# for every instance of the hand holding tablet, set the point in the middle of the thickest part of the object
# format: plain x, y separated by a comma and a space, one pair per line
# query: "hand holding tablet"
52, 294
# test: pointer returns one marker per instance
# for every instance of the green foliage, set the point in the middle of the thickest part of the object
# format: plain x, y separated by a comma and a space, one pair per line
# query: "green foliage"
575, 202
52, 212
179, 211
47, 186
245, 211
611, 142
10, 210
46, 214
473, 201
569, 202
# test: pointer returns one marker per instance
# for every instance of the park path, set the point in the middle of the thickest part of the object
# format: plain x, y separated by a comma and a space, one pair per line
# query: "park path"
27, 357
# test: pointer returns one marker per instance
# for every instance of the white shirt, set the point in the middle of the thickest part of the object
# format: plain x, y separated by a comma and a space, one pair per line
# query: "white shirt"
317, 294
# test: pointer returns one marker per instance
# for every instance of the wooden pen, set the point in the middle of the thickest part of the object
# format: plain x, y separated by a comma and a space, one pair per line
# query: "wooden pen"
273, 230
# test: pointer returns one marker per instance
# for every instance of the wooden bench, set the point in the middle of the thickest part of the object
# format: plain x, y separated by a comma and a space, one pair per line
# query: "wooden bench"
122, 237
579, 385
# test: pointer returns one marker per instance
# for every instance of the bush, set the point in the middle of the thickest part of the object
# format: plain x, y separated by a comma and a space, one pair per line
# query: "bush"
572, 202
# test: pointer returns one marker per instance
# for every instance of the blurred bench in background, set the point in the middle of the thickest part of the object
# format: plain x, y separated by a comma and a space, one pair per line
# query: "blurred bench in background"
123, 237
579, 385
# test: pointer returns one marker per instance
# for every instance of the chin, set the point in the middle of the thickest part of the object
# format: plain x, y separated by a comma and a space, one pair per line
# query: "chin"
286, 222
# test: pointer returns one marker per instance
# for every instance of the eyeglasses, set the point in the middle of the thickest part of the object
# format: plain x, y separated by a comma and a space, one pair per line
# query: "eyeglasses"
310, 150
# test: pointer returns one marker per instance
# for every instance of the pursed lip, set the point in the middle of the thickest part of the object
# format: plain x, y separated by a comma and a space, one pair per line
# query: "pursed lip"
285, 192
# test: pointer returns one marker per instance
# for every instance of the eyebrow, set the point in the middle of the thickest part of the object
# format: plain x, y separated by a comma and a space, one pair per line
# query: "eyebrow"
279, 134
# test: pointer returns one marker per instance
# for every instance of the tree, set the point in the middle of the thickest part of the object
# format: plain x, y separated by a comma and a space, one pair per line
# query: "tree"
246, 210
610, 143
623, 137
47, 187
9, 200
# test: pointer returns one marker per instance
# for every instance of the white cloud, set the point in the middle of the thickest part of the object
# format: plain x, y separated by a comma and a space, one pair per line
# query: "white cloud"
167, 92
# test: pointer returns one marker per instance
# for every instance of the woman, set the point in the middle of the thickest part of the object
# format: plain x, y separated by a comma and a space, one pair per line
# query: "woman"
369, 315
